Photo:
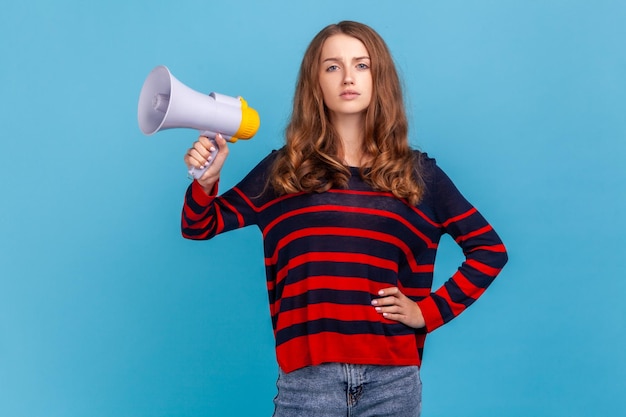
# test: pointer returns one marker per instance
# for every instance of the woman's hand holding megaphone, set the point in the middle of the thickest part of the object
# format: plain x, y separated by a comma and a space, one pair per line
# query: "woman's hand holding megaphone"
202, 154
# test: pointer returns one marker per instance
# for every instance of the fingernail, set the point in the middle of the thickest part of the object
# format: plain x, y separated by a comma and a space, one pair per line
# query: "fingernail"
378, 309
374, 302
381, 292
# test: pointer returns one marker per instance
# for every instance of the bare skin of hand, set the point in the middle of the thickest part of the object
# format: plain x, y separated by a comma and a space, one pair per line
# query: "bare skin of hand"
394, 305
198, 155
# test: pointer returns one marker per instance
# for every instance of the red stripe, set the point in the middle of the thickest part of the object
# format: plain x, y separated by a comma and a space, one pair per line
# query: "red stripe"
415, 293
483, 268
431, 313
329, 311
456, 308
219, 219
258, 209
350, 232
348, 209
425, 217
474, 233
234, 210
199, 225
200, 236
468, 288
331, 282
459, 217
192, 215
390, 195
322, 282
490, 248
358, 349
372, 193
344, 257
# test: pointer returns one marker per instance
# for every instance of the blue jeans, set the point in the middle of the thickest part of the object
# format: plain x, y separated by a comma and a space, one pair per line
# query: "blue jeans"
340, 390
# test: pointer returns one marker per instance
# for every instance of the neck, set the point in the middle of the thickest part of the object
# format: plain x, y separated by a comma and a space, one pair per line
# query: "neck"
351, 133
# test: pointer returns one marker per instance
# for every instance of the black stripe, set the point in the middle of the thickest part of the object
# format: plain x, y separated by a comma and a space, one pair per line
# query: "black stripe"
326, 296
342, 327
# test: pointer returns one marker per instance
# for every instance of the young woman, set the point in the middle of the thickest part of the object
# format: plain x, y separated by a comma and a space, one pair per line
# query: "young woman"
351, 218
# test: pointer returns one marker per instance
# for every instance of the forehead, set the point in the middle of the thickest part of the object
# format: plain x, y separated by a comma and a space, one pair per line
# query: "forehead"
343, 46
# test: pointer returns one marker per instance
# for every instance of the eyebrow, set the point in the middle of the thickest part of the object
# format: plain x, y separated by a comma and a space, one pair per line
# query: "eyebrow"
358, 58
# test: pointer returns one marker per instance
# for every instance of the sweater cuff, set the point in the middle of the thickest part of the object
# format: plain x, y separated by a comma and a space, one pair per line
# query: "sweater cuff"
431, 314
200, 196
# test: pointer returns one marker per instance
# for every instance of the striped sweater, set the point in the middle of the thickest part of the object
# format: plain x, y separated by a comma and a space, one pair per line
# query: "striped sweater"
328, 254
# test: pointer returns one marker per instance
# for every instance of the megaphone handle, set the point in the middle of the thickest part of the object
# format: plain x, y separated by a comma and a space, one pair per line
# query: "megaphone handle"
198, 172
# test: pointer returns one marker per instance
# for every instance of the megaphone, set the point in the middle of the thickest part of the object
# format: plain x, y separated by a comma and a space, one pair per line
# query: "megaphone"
166, 103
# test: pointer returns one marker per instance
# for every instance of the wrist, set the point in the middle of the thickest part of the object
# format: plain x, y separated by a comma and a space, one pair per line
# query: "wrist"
203, 195
208, 185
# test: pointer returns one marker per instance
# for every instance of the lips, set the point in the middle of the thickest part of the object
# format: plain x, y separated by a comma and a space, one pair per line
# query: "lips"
349, 94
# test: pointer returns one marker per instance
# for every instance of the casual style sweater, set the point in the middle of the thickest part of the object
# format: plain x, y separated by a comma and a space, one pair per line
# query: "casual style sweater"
327, 255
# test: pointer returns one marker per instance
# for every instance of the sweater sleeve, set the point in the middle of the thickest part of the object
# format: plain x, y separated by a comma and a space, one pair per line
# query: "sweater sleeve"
485, 254
207, 215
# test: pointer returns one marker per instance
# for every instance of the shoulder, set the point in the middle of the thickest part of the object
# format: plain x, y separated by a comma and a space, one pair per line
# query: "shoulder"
437, 183
425, 166
270, 157
254, 182
423, 158
265, 164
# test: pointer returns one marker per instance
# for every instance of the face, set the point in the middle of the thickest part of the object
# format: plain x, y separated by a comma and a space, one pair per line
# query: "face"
345, 76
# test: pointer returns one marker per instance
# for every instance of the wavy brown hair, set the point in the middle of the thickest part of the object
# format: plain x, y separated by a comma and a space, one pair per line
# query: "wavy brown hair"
311, 159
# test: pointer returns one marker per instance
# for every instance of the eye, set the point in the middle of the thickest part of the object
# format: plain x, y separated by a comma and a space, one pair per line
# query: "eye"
362, 66
332, 68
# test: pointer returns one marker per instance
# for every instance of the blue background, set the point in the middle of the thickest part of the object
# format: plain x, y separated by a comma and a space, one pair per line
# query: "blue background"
106, 311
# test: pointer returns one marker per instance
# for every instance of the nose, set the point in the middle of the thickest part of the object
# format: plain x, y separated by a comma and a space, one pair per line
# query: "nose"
347, 78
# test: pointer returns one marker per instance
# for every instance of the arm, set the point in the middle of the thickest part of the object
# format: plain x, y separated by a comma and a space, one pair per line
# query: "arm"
485, 255
198, 211
205, 214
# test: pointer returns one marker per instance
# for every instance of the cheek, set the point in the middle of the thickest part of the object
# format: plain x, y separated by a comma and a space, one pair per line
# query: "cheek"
323, 92
367, 85
326, 90
370, 82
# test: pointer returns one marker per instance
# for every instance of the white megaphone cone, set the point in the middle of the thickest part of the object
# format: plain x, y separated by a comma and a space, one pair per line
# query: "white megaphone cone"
165, 103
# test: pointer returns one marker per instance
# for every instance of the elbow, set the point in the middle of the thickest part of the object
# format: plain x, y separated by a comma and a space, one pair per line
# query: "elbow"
502, 259
185, 235
192, 234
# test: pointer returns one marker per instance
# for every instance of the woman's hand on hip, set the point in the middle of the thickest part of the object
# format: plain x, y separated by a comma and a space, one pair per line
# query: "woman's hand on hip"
393, 305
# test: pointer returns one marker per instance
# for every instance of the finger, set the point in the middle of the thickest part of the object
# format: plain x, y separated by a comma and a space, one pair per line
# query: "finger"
385, 301
409, 314
195, 158
394, 316
389, 296
222, 144
200, 152
204, 141
389, 291
204, 147
388, 310
195, 155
